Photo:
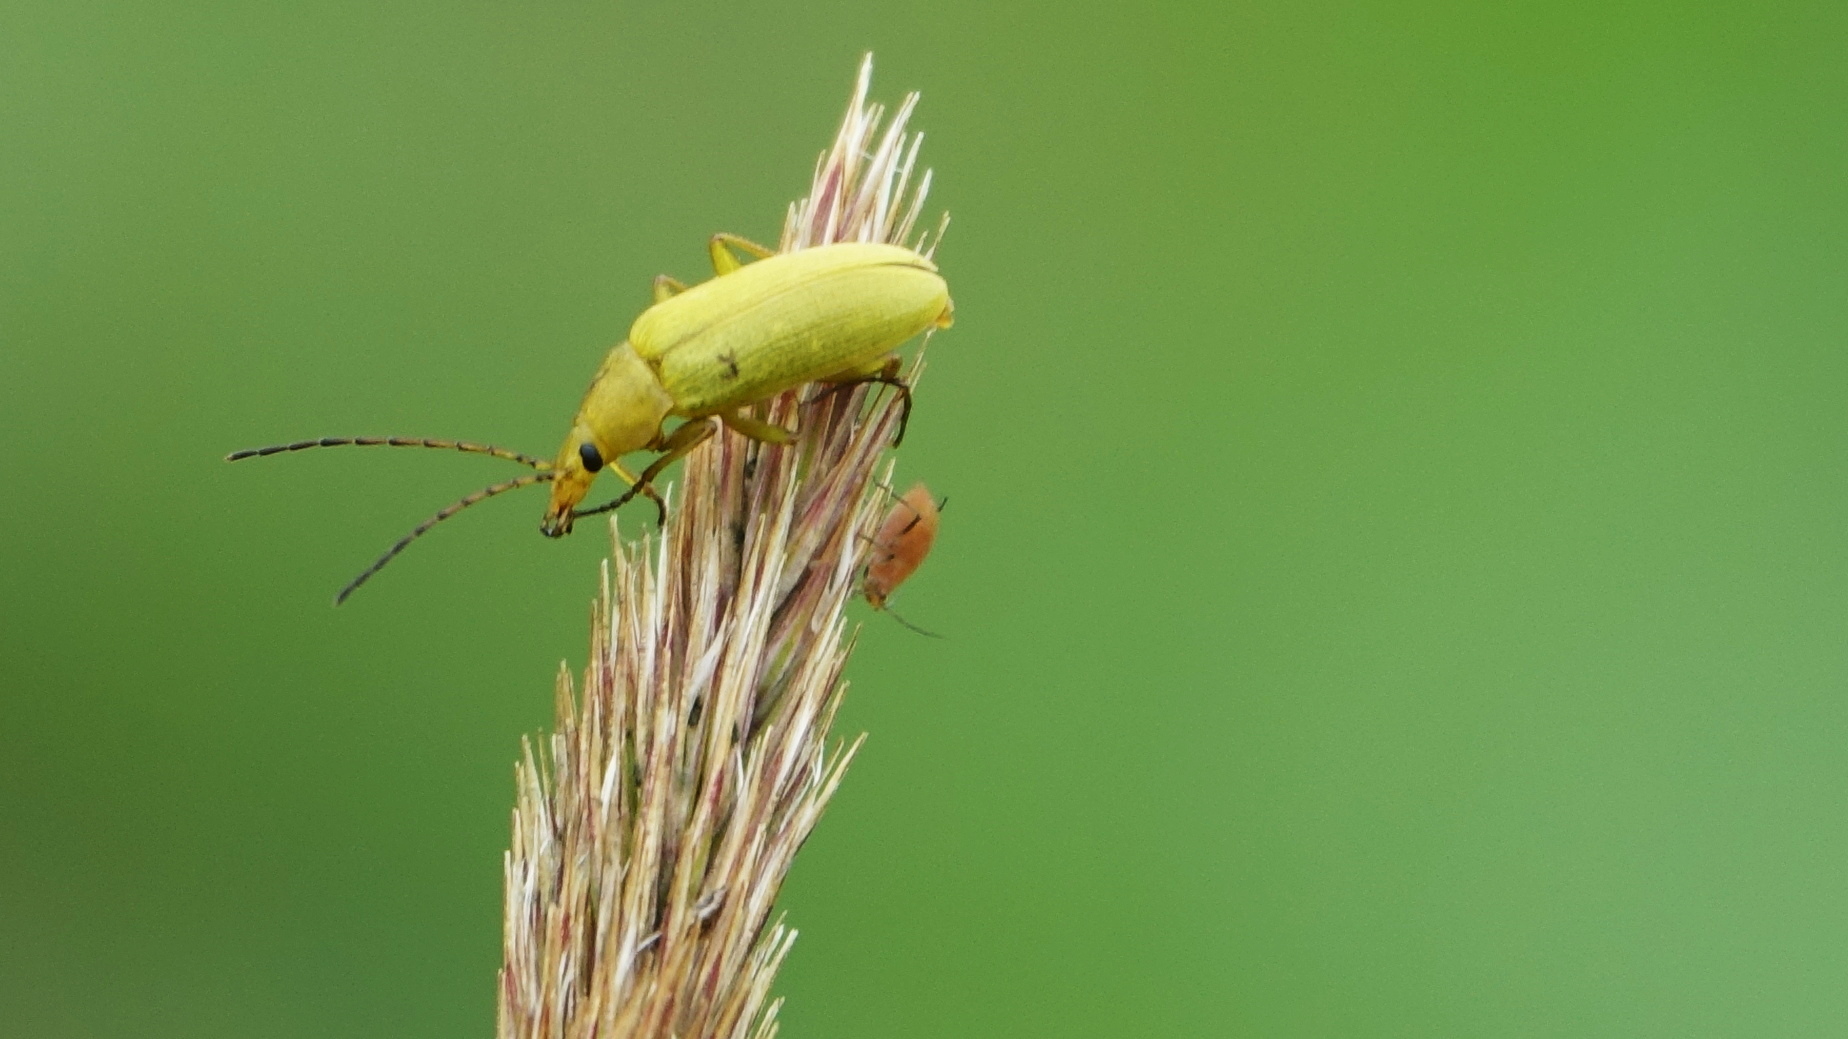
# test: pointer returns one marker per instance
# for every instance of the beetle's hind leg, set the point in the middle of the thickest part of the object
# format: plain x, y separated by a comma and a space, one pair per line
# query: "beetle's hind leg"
724, 261
885, 375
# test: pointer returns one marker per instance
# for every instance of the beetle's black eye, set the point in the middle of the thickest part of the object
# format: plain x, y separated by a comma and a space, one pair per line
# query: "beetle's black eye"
592, 460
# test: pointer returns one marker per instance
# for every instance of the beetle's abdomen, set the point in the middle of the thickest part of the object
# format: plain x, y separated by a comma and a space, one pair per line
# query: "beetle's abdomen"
786, 320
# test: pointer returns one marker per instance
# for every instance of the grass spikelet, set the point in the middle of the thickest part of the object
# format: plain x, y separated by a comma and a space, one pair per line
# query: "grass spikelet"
654, 827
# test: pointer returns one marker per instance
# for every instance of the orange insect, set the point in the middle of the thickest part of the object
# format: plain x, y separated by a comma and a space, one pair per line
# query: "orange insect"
904, 539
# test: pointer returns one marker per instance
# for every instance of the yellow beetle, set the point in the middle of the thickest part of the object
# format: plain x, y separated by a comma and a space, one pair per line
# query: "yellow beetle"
833, 313
829, 313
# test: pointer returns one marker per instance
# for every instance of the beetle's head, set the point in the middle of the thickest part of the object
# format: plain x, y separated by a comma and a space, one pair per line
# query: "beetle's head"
622, 412
577, 466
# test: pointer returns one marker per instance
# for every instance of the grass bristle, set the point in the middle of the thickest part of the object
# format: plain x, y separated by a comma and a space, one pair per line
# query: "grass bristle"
654, 827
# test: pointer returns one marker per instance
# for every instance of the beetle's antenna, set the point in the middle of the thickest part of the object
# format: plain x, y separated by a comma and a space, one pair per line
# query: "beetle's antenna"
447, 511
908, 624
444, 445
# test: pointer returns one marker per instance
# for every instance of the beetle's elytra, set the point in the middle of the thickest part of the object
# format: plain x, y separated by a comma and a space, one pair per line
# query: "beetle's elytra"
830, 313
787, 320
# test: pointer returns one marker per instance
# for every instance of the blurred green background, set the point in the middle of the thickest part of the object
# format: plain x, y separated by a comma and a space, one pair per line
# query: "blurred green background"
1397, 567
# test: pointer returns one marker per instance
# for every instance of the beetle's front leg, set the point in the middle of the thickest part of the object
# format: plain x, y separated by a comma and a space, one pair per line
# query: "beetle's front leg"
689, 436
637, 486
724, 261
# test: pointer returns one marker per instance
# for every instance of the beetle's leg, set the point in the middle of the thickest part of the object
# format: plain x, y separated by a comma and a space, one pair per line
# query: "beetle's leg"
667, 288
721, 246
756, 429
904, 396
689, 436
636, 485
678, 443
885, 375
